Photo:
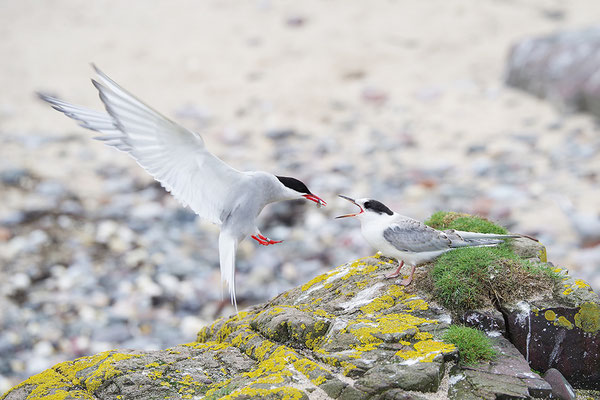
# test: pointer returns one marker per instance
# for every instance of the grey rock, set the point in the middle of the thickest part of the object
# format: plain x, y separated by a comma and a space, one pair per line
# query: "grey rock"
560, 387
15, 177
563, 67
422, 377
399, 394
280, 134
507, 375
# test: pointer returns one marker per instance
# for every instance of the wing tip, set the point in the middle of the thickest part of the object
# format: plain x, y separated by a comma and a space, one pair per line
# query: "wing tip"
45, 97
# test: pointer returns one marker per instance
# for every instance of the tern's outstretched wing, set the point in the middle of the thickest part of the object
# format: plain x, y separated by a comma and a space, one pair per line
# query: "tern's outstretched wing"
414, 236
173, 155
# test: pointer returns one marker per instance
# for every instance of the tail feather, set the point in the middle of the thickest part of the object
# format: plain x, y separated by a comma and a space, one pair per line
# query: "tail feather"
476, 239
476, 235
227, 249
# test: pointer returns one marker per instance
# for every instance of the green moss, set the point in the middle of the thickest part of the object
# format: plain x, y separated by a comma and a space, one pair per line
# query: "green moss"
468, 278
473, 345
463, 222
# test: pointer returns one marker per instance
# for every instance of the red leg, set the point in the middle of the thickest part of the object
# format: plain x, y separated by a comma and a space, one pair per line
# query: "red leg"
269, 241
260, 241
265, 241
407, 281
397, 273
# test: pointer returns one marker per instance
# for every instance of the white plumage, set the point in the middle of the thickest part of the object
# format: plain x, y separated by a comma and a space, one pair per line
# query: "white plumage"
178, 159
411, 241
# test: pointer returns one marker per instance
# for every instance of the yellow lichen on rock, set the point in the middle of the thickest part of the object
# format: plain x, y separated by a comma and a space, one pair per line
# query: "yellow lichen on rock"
426, 350
90, 371
550, 315
588, 317
580, 283
284, 393
543, 255
564, 322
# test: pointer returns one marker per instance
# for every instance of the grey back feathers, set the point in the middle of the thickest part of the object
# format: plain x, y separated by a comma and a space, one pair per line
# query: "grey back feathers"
413, 236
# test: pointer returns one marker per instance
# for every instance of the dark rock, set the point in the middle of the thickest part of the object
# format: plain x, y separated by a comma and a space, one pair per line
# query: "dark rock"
489, 321
563, 67
561, 333
560, 387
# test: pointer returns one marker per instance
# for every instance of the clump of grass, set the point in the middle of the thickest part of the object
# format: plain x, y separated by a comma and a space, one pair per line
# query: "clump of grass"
472, 344
443, 220
472, 277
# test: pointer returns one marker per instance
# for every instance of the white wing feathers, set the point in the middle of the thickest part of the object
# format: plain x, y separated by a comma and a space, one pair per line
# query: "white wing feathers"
173, 155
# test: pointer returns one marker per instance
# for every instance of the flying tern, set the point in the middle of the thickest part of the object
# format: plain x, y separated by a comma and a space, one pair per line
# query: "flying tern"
178, 159
411, 241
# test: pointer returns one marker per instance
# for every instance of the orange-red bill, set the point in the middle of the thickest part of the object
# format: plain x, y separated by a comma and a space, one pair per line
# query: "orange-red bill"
353, 202
313, 197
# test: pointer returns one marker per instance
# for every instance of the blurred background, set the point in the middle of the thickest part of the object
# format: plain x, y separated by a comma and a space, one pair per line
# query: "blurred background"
405, 102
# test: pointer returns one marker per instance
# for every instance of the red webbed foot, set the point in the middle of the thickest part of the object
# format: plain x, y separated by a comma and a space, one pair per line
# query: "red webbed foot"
265, 241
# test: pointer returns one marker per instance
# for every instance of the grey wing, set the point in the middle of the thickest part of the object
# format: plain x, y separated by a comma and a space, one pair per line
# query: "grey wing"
414, 236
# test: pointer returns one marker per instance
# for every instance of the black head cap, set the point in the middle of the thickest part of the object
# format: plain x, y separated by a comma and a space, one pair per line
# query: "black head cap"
294, 184
378, 207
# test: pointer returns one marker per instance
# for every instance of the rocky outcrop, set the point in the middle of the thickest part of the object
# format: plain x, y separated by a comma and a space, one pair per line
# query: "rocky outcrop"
562, 67
508, 376
561, 333
347, 334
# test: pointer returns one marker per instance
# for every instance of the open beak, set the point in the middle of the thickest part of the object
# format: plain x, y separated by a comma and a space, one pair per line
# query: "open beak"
312, 197
353, 202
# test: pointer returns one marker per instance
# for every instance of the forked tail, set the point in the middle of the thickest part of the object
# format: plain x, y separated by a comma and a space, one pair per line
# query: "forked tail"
475, 239
227, 249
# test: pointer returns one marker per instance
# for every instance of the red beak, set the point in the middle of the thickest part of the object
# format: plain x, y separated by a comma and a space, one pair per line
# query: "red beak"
353, 202
313, 197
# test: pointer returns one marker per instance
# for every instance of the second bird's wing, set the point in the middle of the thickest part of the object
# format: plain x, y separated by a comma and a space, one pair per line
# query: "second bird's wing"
415, 237
176, 157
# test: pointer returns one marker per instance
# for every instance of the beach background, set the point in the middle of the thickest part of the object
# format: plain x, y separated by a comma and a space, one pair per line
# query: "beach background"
399, 101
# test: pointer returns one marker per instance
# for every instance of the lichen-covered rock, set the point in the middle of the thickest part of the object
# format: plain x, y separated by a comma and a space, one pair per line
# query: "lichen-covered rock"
562, 67
348, 334
355, 327
561, 332
181, 372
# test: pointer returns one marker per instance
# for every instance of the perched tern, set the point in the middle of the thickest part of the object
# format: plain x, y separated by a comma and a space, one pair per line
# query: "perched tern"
178, 159
411, 241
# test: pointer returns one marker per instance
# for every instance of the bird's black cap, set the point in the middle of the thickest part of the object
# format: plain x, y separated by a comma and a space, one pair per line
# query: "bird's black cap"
377, 207
294, 184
